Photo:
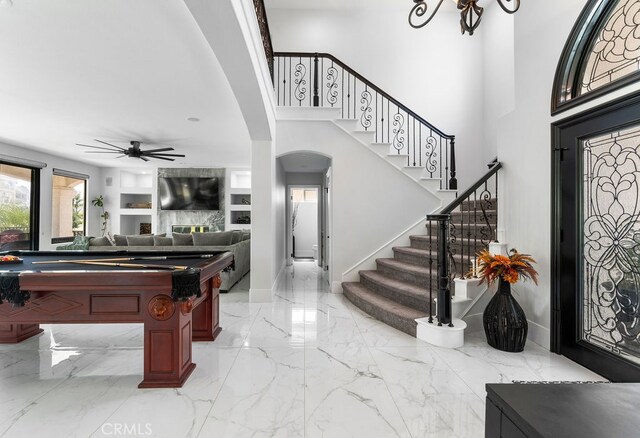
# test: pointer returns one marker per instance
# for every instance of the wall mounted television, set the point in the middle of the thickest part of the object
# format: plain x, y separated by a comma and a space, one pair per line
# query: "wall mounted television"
187, 193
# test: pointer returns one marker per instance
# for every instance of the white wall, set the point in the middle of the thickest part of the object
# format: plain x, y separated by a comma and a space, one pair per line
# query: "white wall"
498, 64
524, 146
93, 188
435, 71
371, 201
281, 218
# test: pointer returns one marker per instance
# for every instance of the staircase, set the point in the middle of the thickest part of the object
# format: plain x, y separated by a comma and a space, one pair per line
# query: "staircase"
407, 287
398, 292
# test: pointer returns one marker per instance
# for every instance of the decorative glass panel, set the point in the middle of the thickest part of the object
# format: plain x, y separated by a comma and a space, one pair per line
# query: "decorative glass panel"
611, 277
616, 52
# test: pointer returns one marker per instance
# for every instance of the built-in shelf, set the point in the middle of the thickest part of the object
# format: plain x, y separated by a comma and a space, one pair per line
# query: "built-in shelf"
239, 198
136, 180
135, 201
130, 224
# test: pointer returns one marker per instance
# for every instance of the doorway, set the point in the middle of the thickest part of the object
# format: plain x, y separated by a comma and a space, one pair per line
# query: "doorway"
596, 239
305, 223
306, 178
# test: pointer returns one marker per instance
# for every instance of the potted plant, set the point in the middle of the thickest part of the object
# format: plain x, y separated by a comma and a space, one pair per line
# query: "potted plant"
505, 323
99, 202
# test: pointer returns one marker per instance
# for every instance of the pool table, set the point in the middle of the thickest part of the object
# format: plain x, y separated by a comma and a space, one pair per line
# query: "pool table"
174, 294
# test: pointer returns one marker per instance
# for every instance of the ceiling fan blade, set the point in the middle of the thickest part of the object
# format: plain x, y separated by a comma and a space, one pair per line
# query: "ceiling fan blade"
94, 147
109, 144
164, 155
158, 150
102, 152
143, 158
120, 156
161, 158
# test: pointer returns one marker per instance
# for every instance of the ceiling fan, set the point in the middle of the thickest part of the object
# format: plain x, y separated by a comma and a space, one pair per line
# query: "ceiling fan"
133, 152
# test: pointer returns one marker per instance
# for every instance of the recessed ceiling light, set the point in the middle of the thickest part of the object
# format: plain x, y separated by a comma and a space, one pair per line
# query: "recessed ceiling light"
193, 119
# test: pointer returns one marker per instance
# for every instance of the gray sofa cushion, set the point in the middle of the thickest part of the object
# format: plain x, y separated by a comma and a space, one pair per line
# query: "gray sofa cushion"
120, 240
246, 235
100, 241
182, 239
140, 240
212, 239
162, 241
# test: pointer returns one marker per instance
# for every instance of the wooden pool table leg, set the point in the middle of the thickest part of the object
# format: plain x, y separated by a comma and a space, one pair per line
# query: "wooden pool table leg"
206, 316
167, 344
14, 333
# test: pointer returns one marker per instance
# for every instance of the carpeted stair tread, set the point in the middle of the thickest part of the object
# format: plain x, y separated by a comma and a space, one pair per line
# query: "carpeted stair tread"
405, 267
412, 251
383, 309
397, 286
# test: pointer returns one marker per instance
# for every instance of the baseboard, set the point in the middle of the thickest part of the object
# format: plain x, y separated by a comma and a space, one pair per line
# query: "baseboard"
385, 251
539, 334
260, 295
336, 287
278, 279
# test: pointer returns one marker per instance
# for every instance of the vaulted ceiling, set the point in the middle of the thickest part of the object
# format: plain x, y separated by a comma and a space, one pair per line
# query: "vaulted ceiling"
116, 70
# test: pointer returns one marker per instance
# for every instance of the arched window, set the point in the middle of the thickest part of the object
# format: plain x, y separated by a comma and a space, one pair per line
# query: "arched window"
601, 54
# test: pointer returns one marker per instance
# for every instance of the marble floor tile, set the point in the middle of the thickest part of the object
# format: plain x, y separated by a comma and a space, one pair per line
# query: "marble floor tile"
178, 412
431, 398
478, 364
308, 363
263, 396
346, 396
95, 387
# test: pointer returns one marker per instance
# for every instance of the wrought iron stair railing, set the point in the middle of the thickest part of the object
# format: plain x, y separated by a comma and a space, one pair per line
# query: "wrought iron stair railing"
457, 233
321, 80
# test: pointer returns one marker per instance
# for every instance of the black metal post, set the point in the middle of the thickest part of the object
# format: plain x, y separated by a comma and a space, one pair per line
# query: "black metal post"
316, 97
453, 181
443, 309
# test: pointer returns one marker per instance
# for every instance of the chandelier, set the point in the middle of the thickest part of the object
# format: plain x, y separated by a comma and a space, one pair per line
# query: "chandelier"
470, 12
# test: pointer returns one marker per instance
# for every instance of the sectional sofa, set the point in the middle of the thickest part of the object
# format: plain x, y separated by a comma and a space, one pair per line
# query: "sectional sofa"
236, 242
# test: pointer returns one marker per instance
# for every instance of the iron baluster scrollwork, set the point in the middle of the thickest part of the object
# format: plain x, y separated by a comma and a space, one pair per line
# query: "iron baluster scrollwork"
365, 115
431, 155
398, 132
332, 86
312, 83
300, 82
457, 240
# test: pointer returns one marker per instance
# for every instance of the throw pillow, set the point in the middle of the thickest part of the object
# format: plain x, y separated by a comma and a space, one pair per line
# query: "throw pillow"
212, 239
182, 239
100, 241
120, 240
79, 243
140, 240
162, 241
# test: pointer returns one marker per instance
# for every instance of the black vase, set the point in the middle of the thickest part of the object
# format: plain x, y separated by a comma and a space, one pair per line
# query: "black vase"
505, 323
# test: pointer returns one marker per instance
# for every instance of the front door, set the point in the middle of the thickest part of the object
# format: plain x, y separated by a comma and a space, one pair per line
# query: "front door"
596, 214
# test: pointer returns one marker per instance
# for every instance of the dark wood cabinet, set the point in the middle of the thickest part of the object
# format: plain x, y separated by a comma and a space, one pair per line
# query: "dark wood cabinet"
567, 410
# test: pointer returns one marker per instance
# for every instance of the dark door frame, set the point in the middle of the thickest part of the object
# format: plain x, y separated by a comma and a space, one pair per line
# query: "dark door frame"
566, 138
34, 206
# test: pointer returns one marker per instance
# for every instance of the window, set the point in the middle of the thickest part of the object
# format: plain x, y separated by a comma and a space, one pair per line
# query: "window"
304, 195
19, 190
68, 204
601, 54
